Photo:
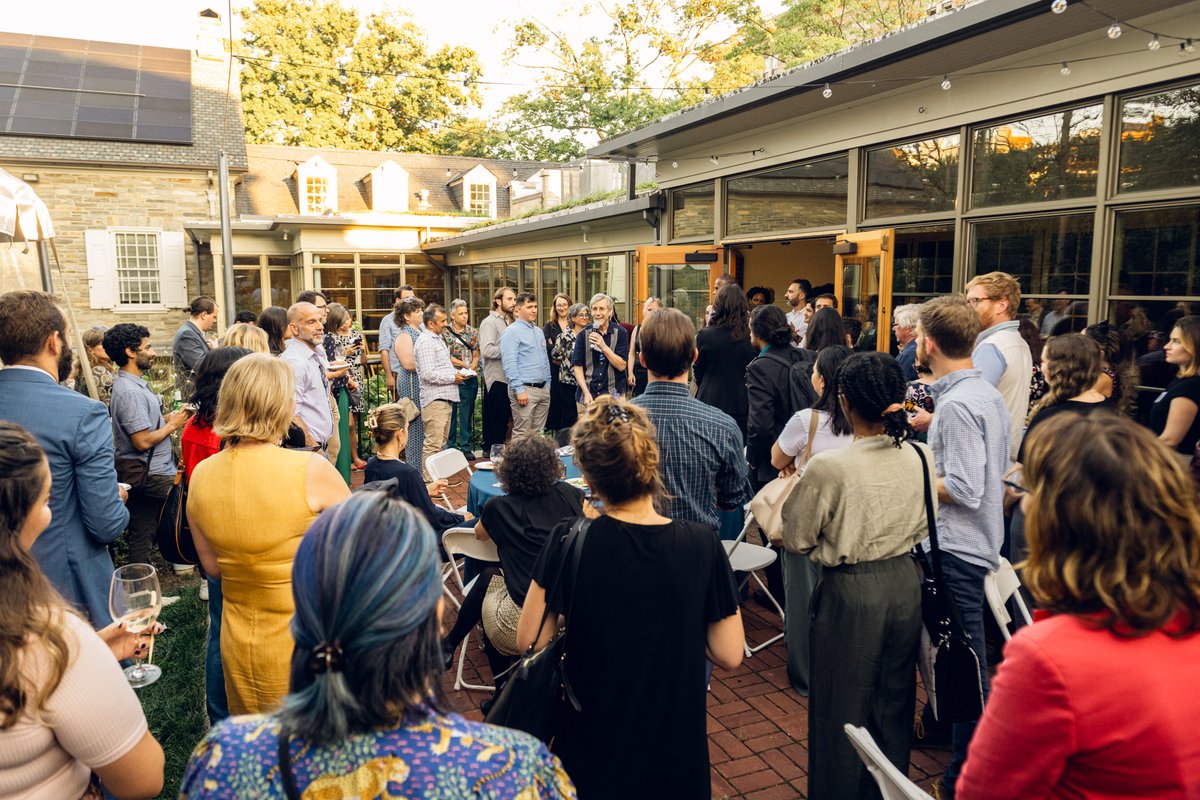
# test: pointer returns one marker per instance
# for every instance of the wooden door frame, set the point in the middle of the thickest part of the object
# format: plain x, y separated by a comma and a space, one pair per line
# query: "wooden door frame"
674, 254
876, 243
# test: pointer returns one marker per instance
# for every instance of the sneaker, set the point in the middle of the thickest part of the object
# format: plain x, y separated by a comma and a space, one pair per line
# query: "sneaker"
170, 600
204, 591
184, 569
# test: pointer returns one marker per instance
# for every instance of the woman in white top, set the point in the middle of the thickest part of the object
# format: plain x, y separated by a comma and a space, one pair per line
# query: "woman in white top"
789, 454
67, 714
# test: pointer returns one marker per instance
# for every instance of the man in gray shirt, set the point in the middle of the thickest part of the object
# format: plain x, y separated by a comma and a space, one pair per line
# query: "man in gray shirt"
496, 408
141, 435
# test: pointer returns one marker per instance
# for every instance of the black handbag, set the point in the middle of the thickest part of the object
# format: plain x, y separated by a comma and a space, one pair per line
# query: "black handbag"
956, 693
173, 536
133, 471
537, 690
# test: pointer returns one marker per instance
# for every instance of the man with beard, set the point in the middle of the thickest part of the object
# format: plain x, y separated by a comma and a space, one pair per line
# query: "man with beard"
86, 504
141, 435
797, 298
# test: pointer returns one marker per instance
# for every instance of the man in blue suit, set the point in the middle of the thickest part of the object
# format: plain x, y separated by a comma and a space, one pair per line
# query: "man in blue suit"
87, 505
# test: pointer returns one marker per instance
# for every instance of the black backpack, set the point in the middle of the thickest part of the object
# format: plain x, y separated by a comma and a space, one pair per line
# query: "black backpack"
800, 393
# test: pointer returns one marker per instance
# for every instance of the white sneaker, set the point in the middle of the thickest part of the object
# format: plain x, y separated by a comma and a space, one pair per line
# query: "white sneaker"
184, 569
204, 591
170, 600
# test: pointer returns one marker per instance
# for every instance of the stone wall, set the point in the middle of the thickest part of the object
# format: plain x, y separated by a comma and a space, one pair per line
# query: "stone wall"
82, 199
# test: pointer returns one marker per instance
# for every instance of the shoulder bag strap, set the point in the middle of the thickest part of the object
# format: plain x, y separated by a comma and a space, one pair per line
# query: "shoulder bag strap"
812, 434
285, 767
461, 341
930, 519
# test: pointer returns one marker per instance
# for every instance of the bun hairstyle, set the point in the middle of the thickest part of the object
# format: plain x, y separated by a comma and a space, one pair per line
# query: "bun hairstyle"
616, 448
388, 420
31, 611
770, 325
873, 385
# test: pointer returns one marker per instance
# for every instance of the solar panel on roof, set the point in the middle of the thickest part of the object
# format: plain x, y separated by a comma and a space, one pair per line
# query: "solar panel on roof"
50, 86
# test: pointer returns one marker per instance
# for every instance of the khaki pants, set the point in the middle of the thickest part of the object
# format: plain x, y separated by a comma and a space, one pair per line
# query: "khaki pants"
436, 417
530, 419
334, 445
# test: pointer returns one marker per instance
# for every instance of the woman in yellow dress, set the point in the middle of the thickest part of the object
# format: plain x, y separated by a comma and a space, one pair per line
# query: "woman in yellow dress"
249, 506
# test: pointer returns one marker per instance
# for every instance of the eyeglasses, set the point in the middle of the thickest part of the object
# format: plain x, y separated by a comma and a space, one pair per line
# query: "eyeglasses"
974, 302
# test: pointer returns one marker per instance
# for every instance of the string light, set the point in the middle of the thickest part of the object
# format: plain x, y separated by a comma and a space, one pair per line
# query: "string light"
1188, 47
586, 95
1058, 6
945, 83
1066, 69
1114, 30
674, 165
1154, 43
715, 160
827, 92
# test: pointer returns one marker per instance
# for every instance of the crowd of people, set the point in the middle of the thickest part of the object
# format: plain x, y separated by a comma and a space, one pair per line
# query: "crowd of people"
327, 639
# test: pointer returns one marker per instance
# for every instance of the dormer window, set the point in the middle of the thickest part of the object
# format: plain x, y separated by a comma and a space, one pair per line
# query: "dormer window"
480, 199
316, 187
474, 191
387, 187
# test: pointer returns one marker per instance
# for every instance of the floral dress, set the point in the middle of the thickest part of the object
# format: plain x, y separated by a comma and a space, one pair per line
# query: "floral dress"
443, 756
408, 386
1037, 386
564, 346
336, 346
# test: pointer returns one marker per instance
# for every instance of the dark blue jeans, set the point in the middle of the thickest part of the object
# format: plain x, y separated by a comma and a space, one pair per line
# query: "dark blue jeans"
214, 673
964, 581
462, 419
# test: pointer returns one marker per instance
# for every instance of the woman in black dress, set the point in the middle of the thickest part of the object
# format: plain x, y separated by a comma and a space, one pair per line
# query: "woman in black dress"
651, 597
562, 395
724, 350
638, 376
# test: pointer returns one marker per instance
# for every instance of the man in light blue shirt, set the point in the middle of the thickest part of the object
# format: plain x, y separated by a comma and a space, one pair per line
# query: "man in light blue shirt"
527, 365
969, 436
312, 387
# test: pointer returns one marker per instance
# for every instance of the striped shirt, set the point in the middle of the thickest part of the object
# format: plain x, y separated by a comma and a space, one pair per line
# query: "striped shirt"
969, 436
701, 458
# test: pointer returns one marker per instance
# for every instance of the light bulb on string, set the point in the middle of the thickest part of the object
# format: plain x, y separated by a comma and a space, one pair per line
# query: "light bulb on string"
586, 95
827, 92
945, 83
1114, 30
714, 160
1066, 69
674, 165
1188, 47
1154, 43
1058, 6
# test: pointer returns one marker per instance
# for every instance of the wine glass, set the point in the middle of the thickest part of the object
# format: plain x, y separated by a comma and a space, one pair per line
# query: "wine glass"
134, 598
497, 454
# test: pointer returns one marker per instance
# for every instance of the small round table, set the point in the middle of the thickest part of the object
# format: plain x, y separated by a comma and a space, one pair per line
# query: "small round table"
484, 486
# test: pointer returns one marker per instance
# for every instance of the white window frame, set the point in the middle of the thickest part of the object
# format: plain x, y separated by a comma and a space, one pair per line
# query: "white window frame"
155, 234
487, 209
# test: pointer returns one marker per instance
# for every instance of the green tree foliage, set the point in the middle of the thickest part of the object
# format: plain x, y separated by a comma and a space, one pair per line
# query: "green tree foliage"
650, 58
316, 74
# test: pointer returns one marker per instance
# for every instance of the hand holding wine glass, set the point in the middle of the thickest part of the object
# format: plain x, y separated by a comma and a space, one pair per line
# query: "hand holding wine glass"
135, 600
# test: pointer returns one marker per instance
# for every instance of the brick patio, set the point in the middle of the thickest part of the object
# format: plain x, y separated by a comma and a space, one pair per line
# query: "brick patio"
757, 725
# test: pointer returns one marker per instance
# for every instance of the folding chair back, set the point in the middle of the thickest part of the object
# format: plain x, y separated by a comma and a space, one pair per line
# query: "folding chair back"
747, 559
893, 784
999, 586
462, 542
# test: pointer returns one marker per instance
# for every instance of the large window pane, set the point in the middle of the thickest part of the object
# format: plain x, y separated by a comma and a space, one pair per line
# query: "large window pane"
427, 282
378, 293
1051, 157
1048, 255
692, 211
682, 286
337, 284
1154, 252
808, 195
608, 274
281, 287
1148, 323
481, 294
1160, 140
913, 178
923, 263
247, 290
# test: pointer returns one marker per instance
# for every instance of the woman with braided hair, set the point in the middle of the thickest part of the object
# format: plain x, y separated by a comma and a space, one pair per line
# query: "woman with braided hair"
858, 511
364, 716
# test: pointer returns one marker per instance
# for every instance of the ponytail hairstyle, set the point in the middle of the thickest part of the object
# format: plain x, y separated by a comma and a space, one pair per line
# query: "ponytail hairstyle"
616, 449
771, 327
387, 420
368, 654
873, 386
31, 611
1071, 364
829, 361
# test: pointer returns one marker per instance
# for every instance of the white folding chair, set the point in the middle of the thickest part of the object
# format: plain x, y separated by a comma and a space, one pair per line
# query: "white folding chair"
443, 465
998, 586
893, 784
748, 558
462, 542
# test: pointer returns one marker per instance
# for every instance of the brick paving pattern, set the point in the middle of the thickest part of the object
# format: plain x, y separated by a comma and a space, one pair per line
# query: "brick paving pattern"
757, 724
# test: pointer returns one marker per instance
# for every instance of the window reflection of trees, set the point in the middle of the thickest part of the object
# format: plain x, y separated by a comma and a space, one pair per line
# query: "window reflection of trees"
1051, 157
1160, 140
913, 178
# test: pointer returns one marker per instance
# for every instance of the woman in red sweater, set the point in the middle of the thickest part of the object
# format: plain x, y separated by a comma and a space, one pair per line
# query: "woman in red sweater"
197, 443
1100, 697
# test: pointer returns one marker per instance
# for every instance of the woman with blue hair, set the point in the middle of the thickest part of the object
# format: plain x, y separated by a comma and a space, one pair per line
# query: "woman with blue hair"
364, 717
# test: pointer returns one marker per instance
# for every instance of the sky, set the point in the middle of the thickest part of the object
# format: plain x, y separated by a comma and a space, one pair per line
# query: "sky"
172, 23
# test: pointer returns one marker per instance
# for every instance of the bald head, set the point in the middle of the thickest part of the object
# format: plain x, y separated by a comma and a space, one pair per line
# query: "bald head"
305, 323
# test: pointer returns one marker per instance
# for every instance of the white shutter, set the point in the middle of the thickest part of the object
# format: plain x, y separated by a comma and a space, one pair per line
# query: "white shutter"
102, 269
172, 271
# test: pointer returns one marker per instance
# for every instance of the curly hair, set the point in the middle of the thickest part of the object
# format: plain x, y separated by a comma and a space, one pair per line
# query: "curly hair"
121, 337
405, 307
530, 467
1113, 525
825, 330
874, 387
1071, 365
617, 450
209, 374
769, 324
31, 611
1117, 351
767, 293
731, 312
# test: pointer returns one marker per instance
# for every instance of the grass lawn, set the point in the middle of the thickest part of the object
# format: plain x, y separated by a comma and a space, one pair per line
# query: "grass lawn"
174, 705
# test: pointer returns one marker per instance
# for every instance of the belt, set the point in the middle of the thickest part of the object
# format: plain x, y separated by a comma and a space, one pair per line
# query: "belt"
541, 385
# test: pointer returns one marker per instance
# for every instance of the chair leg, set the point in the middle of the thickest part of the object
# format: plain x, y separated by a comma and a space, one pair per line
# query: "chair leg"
752, 650
459, 683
